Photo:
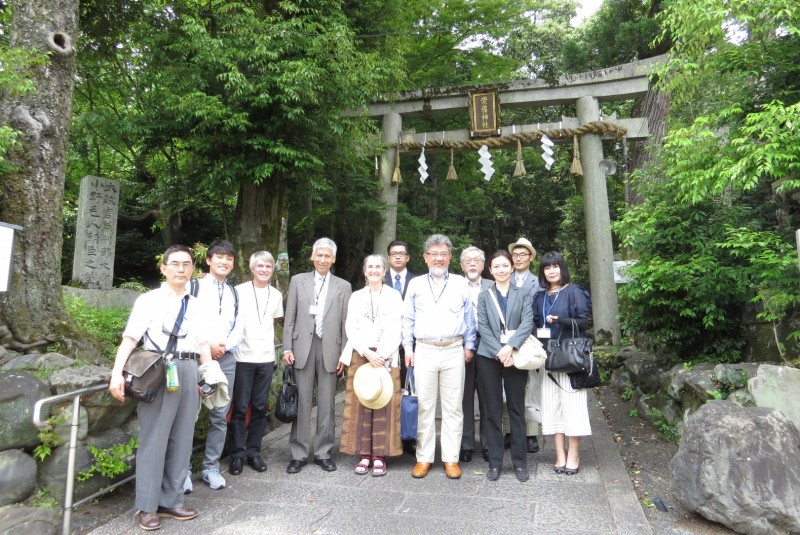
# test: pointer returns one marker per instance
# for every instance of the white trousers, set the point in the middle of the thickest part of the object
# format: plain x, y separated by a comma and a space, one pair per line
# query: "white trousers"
439, 374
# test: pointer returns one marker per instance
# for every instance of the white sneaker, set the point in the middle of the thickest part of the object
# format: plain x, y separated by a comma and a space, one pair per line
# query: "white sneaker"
214, 480
187, 484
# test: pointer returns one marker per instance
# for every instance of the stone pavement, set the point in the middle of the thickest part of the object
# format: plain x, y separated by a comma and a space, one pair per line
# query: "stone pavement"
598, 500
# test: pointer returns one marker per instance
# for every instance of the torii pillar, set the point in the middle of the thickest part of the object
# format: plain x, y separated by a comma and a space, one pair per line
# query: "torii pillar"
598, 229
385, 231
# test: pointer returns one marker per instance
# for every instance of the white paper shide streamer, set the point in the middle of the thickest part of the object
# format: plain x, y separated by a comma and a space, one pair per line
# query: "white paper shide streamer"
486, 162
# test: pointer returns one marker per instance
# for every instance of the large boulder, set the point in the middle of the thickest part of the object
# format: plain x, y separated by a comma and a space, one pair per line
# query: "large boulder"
47, 361
771, 387
17, 476
740, 467
19, 520
690, 385
645, 370
19, 391
104, 411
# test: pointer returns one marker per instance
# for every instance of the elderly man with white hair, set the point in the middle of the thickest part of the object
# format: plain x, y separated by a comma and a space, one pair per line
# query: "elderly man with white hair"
313, 337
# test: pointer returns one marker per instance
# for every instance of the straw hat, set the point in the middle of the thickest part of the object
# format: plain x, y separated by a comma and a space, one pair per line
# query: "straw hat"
373, 386
523, 242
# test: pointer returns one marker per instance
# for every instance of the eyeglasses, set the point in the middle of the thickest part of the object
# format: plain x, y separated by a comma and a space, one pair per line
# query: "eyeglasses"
176, 265
470, 261
520, 255
437, 254
398, 253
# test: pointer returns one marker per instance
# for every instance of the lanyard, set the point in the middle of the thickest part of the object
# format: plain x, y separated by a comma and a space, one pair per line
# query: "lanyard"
544, 302
321, 287
259, 315
446, 280
221, 293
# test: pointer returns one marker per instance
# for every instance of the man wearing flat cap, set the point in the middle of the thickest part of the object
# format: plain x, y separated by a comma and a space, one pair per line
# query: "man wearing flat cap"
522, 254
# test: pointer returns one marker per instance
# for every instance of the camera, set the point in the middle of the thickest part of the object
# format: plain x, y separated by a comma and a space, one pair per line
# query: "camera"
206, 389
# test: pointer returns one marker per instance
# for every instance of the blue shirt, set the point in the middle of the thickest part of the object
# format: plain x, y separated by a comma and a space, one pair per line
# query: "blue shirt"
438, 310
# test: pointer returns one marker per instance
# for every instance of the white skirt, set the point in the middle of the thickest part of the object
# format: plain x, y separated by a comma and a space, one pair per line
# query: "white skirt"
564, 410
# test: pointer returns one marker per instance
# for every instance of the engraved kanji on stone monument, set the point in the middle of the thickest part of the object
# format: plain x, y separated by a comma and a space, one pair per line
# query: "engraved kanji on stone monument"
96, 232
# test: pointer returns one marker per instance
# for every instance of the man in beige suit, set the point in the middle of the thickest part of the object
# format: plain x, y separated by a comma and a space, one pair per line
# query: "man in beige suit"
313, 337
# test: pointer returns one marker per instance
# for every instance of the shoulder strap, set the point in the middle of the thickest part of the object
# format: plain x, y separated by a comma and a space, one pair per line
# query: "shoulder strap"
499, 310
235, 300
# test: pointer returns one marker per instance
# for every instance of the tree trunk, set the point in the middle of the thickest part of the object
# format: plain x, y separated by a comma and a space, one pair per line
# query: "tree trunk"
654, 107
32, 193
257, 224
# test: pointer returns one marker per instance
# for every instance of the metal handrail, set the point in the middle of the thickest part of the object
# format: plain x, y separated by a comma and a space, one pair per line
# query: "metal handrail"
73, 446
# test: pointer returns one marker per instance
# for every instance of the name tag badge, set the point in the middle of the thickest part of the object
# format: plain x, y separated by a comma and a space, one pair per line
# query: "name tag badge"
313, 310
543, 333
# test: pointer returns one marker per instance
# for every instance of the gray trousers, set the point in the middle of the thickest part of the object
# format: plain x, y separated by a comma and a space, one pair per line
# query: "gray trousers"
166, 429
218, 418
300, 439
468, 407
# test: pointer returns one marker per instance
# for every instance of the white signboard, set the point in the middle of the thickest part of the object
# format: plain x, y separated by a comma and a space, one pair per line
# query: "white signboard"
6, 254
620, 270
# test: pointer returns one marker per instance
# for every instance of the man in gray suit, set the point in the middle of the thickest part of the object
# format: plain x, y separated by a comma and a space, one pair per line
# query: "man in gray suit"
522, 254
472, 262
313, 337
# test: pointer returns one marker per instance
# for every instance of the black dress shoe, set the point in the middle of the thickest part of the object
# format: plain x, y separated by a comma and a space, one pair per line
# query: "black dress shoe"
326, 464
179, 513
236, 466
295, 466
493, 474
465, 456
522, 474
257, 463
486, 454
410, 447
533, 445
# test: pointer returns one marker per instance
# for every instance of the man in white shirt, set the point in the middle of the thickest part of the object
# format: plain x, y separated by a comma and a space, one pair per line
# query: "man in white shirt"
166, 425
259, 307
220, 302
522, 254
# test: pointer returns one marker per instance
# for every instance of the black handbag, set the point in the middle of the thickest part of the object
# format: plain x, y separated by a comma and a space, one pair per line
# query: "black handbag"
409, 409
569, 355
144, 375
586, 379
286, 406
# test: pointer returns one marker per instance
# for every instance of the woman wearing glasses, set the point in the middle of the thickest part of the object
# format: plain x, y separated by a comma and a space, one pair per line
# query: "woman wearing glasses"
372, 430
565, 411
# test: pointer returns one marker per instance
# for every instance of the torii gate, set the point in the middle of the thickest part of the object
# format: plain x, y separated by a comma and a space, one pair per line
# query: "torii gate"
586, 90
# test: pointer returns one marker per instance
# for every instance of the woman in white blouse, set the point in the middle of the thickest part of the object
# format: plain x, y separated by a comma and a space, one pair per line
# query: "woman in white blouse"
373, 327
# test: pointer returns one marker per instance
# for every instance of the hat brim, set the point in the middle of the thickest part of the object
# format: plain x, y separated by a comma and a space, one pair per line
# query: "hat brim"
525, 245
371, 373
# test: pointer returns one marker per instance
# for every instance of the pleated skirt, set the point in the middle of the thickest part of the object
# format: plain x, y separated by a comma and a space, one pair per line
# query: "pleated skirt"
367, 431
564, 410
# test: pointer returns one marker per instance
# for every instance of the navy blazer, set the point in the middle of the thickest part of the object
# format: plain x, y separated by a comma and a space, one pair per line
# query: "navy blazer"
518, 316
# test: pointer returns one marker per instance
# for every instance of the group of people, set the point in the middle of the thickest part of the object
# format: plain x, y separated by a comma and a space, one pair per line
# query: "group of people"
457, 333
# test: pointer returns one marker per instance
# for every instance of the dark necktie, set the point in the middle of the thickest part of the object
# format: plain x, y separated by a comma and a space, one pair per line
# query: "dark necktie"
397, 284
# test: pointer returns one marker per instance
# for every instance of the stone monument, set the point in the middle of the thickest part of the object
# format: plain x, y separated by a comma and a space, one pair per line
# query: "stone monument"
96, 232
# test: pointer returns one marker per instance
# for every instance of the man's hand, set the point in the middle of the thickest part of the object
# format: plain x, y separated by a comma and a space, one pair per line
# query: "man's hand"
467, 355
409, 360
339, 368
217, 350
288, 358
117, 386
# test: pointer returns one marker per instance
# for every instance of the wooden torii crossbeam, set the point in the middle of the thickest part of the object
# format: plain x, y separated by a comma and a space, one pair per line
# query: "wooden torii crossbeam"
585, 91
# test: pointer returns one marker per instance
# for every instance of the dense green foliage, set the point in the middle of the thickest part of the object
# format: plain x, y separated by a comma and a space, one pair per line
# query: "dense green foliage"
716, 229
104, 324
